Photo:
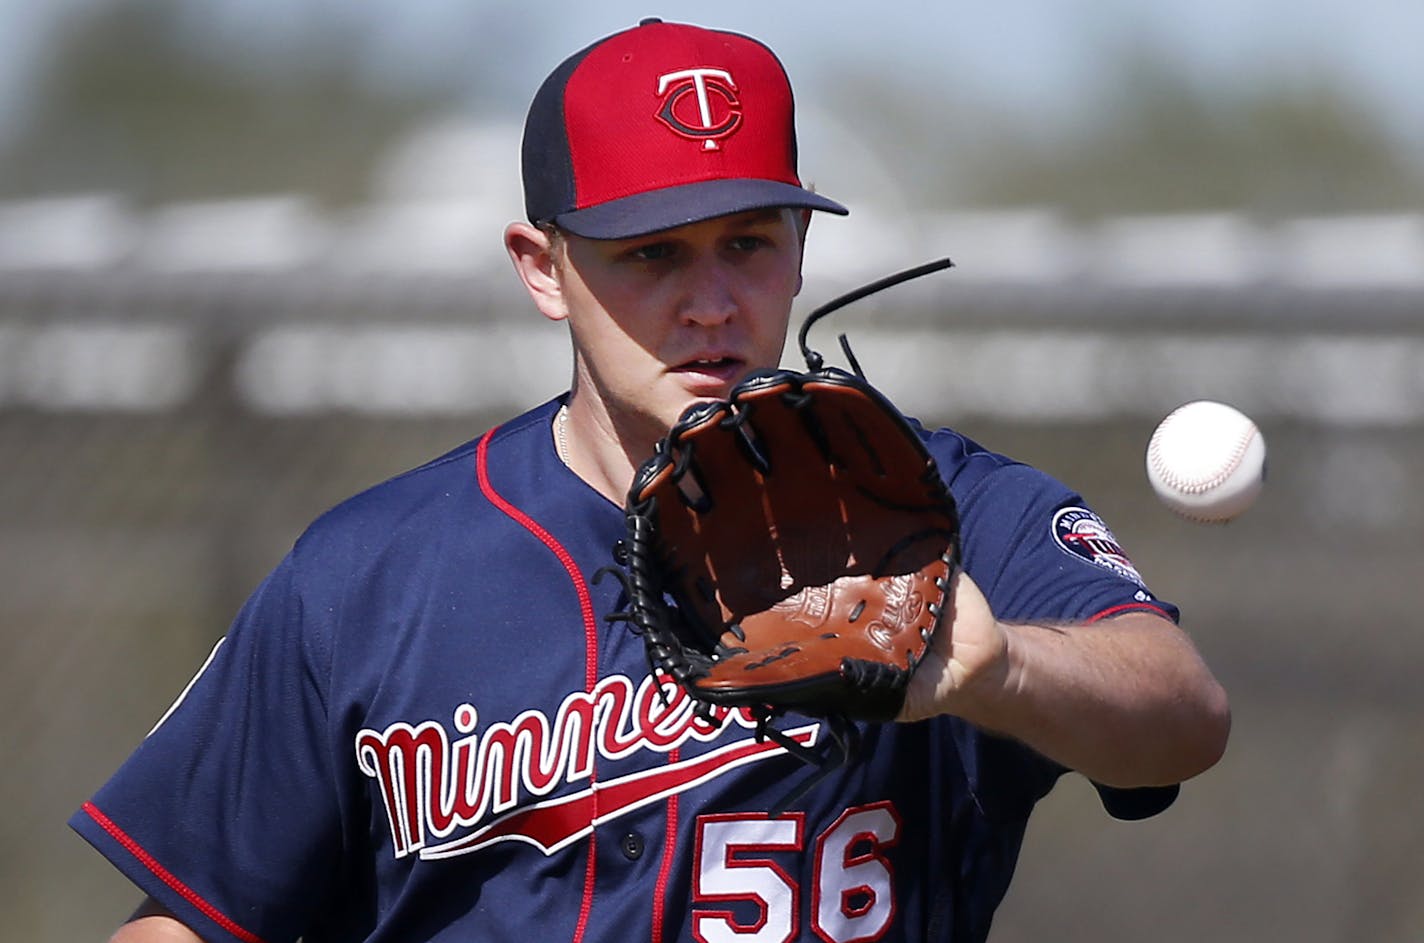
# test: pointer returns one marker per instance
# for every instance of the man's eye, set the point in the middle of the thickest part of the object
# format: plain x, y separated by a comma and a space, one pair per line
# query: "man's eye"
748, 243
653, 252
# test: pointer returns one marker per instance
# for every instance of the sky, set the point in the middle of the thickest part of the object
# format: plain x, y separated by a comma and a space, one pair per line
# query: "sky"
1042, 56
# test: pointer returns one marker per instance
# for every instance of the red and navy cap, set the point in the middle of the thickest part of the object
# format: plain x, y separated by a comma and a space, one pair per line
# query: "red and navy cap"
658, 126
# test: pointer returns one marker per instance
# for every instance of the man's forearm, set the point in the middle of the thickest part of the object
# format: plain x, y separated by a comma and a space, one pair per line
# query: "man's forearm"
152, 923
1126, 701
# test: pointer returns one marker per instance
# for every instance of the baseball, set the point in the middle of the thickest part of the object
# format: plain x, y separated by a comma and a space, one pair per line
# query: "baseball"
1207, 461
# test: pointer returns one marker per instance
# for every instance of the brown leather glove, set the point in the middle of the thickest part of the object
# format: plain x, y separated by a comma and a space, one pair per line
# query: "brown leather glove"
790, 548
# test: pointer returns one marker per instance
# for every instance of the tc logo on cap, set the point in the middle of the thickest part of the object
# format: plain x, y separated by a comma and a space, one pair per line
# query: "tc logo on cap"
700, 104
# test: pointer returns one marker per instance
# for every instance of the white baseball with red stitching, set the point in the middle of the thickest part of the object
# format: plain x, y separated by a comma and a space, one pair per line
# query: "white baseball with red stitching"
1207, 461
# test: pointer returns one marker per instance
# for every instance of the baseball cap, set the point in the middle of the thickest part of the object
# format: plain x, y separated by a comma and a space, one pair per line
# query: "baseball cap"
658, 126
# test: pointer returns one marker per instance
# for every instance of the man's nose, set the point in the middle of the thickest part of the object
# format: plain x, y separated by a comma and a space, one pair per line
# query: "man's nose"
709, 297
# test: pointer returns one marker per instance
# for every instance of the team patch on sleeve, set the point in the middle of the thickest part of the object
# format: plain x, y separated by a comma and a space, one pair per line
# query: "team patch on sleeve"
1083, 534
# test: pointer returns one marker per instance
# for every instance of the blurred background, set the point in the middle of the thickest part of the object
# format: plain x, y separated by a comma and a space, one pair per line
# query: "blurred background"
250, 263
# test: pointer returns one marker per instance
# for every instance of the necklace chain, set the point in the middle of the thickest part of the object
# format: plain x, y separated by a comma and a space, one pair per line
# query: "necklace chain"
561, 431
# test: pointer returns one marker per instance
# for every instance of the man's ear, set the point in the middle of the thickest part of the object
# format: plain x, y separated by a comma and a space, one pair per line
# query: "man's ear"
533, 255
803, 226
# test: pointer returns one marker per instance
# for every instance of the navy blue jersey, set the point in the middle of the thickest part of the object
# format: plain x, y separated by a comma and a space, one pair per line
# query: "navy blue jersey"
421, 727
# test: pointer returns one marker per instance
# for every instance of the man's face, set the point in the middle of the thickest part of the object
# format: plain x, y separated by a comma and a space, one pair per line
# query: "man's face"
665, 319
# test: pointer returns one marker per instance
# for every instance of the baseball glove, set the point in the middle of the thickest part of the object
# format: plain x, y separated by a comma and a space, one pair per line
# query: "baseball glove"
791, 547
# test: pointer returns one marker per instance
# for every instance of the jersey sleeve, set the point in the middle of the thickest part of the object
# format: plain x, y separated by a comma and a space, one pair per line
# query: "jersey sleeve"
226, 813
1041, 554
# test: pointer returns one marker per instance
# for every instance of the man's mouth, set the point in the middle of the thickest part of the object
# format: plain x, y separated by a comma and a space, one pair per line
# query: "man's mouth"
708, 364
709, 376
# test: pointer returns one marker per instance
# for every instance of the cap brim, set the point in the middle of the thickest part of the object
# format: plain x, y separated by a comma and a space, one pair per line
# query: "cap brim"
671, 207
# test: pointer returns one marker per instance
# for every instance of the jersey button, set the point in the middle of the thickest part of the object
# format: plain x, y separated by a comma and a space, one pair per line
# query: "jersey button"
632, 846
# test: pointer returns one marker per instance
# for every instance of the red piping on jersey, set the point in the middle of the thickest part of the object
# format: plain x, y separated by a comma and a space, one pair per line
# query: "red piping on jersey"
669, 847
590, 622
590, 634
167, 877
1128, 607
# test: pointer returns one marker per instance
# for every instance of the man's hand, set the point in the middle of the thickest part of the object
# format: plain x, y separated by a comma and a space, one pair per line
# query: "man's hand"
969, 650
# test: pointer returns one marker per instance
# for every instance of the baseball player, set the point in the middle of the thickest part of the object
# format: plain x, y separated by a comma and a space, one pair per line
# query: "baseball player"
422, 727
